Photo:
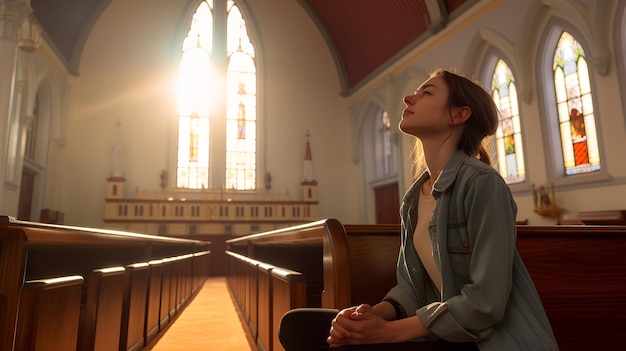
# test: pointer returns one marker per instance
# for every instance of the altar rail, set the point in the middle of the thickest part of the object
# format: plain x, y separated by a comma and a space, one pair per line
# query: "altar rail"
90, 289
578, 271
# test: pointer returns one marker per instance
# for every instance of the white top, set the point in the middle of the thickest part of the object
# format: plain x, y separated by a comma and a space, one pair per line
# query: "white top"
421, 238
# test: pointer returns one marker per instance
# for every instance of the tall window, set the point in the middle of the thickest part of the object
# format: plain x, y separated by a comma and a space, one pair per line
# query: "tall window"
384, 150
241, 106
508, 139
199, 81
575, 107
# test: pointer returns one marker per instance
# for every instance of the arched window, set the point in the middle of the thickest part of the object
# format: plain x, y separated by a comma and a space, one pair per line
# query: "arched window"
205, 114
508, 140
575, 110
384, 151
241, 106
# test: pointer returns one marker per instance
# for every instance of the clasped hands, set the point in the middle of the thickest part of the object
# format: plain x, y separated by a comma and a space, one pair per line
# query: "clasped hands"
357, 325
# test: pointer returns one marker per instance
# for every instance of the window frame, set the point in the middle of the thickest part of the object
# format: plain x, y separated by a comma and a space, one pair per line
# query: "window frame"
217, 140
490, 60
547, 101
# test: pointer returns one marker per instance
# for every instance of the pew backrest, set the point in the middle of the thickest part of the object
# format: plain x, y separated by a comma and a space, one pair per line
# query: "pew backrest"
579, 272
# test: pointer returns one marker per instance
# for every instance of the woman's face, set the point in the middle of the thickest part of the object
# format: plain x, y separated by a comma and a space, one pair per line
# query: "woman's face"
426, 111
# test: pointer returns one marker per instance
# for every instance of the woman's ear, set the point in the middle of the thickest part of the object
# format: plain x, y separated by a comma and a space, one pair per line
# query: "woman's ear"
460, 115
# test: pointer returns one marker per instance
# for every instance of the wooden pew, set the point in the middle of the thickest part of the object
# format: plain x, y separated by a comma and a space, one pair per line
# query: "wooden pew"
338, 262
578, 271
134, 307
373, 252
288, 292
331, 265
34, 251
101, 311
263, 293
48, 314
13, 249
153, 305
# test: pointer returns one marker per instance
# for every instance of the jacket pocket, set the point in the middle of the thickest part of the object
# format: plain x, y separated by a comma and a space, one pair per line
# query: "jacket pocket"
458, 238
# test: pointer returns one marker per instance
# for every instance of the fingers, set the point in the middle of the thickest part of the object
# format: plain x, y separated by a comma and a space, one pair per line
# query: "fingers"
339, 328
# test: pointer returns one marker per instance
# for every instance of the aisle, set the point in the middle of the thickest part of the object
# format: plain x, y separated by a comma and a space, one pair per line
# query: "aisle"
210, 322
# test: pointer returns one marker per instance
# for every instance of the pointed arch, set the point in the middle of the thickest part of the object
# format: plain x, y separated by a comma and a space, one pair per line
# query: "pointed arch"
508, 143
567, 98
217, 93
498, 74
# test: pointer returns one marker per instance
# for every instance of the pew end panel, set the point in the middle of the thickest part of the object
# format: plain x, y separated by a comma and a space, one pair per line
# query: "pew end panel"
43, 304
264, 337
288, 292
155, 277
101, 310
134, 306
13, 254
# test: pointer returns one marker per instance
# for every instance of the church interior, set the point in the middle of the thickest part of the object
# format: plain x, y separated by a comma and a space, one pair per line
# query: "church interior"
219, 119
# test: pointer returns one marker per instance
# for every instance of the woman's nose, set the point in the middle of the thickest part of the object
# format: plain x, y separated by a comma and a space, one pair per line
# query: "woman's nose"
408, 100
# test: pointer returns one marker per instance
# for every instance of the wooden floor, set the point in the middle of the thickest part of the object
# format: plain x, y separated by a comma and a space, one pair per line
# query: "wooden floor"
209, 322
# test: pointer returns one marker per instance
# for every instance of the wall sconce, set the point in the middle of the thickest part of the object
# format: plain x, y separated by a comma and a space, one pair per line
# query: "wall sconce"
545, 203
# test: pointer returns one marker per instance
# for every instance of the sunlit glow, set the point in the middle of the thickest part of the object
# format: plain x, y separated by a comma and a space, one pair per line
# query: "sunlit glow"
195, 94
198, 99
194, 83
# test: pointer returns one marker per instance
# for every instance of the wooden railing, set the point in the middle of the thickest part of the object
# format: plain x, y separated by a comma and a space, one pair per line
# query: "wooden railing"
579, 272
90, 289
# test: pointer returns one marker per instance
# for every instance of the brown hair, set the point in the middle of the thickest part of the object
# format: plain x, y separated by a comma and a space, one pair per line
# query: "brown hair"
484, 120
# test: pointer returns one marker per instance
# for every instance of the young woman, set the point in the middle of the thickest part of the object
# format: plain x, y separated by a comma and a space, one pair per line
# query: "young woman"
461, 284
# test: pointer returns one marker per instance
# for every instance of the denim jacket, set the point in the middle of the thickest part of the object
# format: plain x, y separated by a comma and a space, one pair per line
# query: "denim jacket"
487, 296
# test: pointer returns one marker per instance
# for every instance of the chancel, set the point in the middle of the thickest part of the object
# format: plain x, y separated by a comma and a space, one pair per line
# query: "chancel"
153, 153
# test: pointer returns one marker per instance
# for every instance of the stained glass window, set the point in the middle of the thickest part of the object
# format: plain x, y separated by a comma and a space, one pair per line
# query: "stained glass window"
241, 105
198, 77
508, 138
193, 105
575, 107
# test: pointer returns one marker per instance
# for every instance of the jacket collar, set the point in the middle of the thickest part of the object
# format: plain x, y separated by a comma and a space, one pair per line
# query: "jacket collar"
445, 180
450, 172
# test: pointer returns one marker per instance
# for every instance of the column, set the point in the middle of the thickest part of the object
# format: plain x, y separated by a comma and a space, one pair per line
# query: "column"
12, 13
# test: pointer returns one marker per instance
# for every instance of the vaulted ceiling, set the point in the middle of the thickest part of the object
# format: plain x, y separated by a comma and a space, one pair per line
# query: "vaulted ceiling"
363, 34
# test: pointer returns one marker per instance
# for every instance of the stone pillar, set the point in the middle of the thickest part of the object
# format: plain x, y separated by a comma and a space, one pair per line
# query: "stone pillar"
12, 14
